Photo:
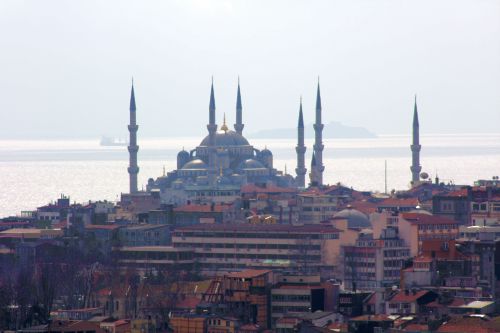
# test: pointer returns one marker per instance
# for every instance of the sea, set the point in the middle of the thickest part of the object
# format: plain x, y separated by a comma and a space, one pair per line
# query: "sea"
36, 172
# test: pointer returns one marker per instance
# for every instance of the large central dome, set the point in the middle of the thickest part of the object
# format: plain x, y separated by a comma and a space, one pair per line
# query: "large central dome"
226, 139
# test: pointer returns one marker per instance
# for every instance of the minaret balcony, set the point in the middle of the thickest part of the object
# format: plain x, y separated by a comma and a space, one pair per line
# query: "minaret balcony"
133, 169
318, 127
133, 149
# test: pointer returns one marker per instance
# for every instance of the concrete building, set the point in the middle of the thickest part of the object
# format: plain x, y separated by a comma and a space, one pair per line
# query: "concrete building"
415, 228
374, 262
144, 235
155, 258
221, 248
295, 295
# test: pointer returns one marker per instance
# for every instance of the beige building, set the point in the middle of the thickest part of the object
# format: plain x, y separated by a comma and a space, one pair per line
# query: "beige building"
32, 233
222, 248
415, 227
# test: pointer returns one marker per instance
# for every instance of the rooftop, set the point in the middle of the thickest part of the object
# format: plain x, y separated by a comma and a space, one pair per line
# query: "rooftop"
406, 297
248, 274
264, 228
153, 248
417, 218
195, 208
102, 226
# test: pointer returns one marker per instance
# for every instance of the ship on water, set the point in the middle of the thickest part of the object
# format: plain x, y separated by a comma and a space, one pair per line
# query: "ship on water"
109, 141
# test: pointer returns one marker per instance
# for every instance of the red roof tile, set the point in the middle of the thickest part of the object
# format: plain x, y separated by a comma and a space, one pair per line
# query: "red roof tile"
426, 219
468, 324
190, 302
402, 297
415, 328
395, 202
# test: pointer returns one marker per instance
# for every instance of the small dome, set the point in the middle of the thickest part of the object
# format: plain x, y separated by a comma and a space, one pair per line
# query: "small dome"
266, 152
225, 139
183, 154
355, 219
251, 164
195, 165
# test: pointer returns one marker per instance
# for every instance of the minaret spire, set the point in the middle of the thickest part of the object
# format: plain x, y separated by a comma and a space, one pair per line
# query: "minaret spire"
318, 141
211, 107
301, 150
133, 148
415, 148
238, 127
212, 129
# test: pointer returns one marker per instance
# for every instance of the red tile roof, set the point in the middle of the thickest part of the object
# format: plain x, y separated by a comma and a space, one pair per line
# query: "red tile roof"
459, 193
469, 324
402, 297
190, 302
416, 328
426, 219
250, 327
395, 202
371, 300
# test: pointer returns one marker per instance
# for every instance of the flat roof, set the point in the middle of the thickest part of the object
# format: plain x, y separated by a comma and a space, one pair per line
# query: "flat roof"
249, 273
153, 248
264, 228
476, 305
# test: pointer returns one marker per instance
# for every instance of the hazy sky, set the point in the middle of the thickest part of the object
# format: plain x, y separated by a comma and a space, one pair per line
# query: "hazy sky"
66, 66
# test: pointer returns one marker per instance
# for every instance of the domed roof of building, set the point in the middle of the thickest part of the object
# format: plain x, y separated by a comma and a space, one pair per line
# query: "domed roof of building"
194, 165
183, 153
355, 218
226, 138
251, 164
265, 152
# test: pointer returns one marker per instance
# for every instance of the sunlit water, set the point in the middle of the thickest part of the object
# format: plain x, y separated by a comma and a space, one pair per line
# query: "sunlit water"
33, 173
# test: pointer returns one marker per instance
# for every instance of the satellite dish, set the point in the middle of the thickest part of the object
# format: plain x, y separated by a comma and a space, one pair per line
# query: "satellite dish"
424, 175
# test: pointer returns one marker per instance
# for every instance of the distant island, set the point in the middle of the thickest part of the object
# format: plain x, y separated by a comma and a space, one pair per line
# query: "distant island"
333, 129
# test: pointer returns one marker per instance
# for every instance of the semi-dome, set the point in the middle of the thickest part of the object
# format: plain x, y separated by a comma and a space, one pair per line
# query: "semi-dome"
225, 139
251, 164
355, 218
195, 165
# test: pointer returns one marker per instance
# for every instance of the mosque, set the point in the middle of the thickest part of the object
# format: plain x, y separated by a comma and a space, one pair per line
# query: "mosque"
215, 170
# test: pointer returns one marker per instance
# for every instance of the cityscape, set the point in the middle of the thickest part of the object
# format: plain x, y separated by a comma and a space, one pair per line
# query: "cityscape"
258, 224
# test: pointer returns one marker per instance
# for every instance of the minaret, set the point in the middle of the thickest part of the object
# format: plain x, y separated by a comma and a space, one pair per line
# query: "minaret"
133, 169
301, 150
318, 140
415, 148
313, 175
212, 128
238, 127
